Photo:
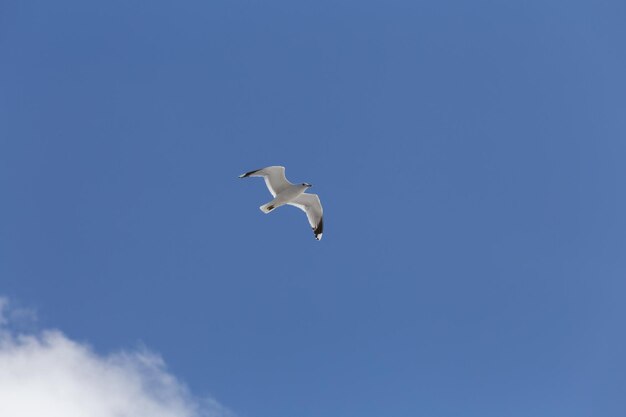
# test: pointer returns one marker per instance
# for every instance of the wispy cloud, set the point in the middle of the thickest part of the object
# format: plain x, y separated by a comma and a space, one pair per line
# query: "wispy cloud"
45, 373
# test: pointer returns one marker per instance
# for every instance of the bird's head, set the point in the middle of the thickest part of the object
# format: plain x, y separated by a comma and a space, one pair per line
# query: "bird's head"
307, 185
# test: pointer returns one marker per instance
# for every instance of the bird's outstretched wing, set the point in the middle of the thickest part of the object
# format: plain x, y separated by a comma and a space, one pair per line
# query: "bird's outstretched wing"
311, 205
274, 177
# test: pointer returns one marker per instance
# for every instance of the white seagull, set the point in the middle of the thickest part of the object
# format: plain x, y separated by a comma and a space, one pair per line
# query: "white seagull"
285, 192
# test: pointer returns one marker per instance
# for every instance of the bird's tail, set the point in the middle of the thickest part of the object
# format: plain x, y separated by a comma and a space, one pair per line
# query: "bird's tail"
266, 208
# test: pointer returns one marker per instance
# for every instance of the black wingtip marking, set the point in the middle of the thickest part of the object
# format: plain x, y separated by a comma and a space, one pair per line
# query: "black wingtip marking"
319, 229
247, 174
270, 208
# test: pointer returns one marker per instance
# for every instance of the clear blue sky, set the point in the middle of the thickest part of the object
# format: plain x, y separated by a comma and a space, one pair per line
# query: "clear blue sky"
470, 157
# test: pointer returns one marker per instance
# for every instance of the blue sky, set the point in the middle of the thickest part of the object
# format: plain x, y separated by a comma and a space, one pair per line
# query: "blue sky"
470, 159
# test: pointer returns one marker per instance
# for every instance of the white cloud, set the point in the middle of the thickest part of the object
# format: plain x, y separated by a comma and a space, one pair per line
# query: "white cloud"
46, 374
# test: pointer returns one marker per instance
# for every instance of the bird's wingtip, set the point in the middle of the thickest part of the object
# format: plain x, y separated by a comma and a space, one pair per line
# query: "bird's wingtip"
317, 231
247, 174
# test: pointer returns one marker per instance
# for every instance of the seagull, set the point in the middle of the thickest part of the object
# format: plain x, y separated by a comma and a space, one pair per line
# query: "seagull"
285, 192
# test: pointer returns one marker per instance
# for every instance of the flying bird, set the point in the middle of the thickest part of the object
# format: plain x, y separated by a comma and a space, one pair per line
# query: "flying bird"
285, 192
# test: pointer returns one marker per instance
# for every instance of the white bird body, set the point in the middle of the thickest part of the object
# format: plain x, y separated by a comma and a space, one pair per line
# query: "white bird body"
285, 192
284, 197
